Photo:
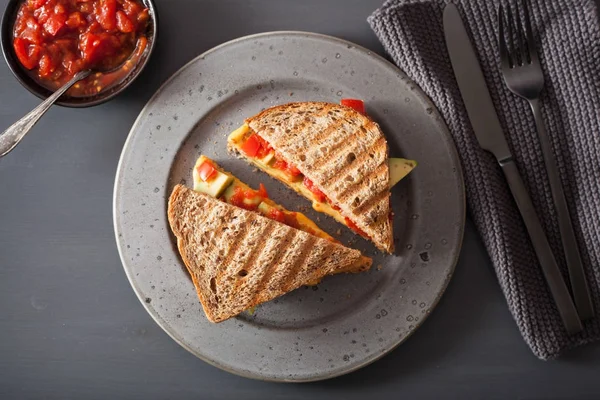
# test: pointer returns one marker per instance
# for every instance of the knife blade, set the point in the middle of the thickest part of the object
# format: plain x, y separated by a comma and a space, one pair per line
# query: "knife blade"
487, 128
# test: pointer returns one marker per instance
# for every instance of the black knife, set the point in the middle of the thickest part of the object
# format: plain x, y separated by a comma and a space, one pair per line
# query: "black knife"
488, 131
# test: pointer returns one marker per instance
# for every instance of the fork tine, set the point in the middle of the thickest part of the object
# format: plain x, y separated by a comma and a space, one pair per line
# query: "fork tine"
514, 46
522, 40
528, 30
504, 54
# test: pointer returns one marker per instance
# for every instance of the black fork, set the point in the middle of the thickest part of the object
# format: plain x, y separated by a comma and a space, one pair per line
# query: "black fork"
523, 75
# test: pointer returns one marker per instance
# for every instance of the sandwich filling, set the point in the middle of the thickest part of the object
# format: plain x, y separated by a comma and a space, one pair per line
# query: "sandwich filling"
212, 180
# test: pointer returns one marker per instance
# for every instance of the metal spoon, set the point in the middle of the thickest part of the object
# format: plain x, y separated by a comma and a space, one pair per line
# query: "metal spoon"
11, 137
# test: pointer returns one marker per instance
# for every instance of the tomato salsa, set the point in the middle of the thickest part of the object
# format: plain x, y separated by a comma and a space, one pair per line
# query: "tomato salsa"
55, 39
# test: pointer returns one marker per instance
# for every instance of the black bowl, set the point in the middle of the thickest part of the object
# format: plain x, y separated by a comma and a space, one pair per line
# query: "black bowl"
6, 38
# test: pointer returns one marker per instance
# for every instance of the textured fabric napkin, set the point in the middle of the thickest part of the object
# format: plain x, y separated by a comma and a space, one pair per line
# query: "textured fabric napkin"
568, 41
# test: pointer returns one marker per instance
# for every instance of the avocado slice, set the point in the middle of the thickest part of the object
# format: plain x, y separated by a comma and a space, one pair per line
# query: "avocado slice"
268, 158
215, 186
399, 168
265, 208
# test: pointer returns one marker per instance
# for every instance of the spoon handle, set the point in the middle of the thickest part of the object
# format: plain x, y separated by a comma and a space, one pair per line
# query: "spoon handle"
13, 135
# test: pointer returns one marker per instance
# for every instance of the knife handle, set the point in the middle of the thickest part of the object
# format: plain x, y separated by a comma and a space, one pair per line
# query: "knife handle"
554, 278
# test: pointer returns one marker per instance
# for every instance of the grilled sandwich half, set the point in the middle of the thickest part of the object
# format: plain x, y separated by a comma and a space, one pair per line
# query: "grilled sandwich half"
238, 258
331, 154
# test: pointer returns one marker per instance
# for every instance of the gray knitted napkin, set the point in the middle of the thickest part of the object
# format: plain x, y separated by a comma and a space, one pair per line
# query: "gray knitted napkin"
568, 40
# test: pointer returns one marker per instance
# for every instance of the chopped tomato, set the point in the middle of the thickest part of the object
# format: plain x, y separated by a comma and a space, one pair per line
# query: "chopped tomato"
251, 146
76, 20
357, 104
206, 170
86, 7
131, 8
280, 164
285, 217
320, 196
293, 170
290, 169
355, 228
143, 17
30, 30
73, 35
336, 208
36, 3
123, 23
262, 191
277, 215
46, 66
96, 46
291, 219
55, 23
238, 197
108, 14
28, 55
256, 146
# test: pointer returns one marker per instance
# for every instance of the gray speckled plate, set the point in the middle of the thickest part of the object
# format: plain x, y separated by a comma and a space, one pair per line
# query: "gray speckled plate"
347, 321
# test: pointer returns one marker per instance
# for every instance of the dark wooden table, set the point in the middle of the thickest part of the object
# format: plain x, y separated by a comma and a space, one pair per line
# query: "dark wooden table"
71, 327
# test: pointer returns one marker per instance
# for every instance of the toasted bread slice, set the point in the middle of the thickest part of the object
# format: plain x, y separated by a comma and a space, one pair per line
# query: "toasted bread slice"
342, 152
239, 259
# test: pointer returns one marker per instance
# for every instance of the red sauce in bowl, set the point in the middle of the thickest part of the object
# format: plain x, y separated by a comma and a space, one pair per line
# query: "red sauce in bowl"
55, 39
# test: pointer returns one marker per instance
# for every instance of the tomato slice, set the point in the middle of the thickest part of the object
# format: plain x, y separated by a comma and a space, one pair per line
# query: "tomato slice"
356, 104
206, 170
262, 191
355, 228
251, 146
320, 196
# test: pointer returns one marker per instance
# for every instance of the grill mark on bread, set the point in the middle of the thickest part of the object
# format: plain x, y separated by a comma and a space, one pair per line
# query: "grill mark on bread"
345, 169
356, 186
256, 250
317, 138
373, 201
276, 112
327, 252
306, 249
281, 250
328, 171
311, 137
236, 245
